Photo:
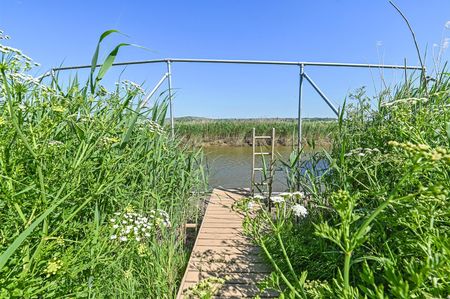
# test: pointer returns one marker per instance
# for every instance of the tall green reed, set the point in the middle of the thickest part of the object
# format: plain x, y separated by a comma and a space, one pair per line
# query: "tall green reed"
69, 159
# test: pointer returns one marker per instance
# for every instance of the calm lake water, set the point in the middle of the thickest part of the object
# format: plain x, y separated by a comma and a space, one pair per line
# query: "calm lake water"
231, 166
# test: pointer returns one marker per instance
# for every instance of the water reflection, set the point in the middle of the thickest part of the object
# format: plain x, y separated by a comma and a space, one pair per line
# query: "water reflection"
230, 166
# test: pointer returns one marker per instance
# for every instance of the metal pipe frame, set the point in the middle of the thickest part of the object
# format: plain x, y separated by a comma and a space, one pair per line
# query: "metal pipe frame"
301, 64
266, 62
300, 103
169, 85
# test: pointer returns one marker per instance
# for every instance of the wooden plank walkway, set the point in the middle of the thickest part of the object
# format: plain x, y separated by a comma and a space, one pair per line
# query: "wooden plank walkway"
221, 250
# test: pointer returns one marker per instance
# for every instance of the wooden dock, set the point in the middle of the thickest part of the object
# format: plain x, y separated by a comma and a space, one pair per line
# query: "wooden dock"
222, 251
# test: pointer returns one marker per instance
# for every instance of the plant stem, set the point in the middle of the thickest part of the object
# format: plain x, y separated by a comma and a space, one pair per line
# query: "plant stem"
278, 270
348, 257
286, 257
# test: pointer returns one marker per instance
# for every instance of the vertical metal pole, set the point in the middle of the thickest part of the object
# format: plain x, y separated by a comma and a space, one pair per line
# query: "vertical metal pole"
299, 120
252, 187
169, 77
272, 162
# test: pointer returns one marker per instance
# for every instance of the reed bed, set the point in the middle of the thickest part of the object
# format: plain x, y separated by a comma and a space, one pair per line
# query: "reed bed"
239, 131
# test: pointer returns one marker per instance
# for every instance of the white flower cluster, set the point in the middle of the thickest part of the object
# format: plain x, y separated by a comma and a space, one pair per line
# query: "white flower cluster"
55, 143
17, 56
445, 43
154, 127
361, 152
33, 83
139, 227
277, 199
299, 210
131, 86
406, 101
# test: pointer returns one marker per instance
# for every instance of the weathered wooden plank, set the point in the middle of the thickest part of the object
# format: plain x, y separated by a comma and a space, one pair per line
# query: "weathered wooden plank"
236, 266
235, 242
228, 259
219, 236
216, 230
230, 277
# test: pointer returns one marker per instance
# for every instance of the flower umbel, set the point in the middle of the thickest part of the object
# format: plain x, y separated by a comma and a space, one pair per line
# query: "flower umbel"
277, 199
136, 226
299, 210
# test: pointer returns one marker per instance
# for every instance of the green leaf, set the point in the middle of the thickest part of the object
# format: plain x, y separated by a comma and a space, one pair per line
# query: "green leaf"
448, 132
109, 61
95, 57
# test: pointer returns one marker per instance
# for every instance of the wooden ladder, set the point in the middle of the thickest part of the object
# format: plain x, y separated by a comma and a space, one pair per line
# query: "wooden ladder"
265, 182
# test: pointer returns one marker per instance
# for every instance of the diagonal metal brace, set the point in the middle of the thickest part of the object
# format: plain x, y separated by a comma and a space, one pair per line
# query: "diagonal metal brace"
154, 90
324, 97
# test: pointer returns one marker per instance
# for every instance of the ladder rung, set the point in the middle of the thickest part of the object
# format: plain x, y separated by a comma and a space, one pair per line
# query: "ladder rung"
257, 169
263, 153
263, 137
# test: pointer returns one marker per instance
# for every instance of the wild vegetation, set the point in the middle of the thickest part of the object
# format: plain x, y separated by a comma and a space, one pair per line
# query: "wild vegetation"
94, 195
376, 223
239, 131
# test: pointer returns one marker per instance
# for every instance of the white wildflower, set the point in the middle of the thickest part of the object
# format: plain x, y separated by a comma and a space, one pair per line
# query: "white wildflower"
277, 199
258, 196
299, 210
115, 226
112, 220
445, 43
250, 205
56, 143
113, 237
123, 238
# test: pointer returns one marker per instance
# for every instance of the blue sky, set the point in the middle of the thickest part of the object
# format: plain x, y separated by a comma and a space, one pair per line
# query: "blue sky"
66, 32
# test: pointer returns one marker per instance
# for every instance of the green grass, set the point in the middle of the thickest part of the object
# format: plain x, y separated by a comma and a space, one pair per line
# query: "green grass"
378, 223
70, 160
239, 131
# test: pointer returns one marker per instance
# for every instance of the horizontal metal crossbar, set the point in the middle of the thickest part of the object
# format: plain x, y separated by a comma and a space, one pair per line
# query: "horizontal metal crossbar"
267, 62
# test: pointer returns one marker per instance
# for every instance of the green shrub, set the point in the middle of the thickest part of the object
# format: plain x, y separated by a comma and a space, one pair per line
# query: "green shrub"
378, 222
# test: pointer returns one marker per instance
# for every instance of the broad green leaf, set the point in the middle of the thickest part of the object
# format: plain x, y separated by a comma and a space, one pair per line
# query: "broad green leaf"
109, 61
95, 57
